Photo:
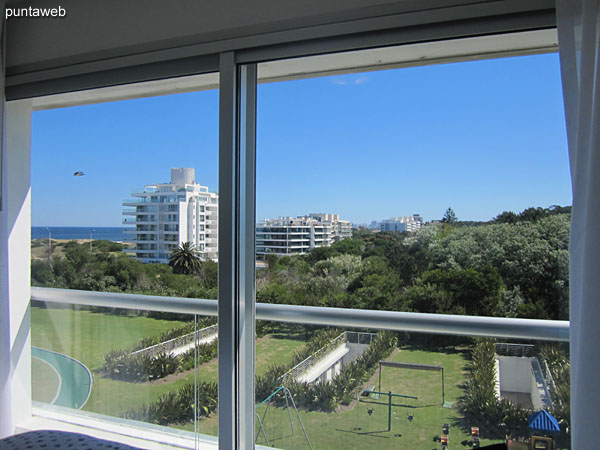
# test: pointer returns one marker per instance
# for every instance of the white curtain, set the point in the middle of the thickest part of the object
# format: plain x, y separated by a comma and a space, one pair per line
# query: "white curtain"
579, 43
6, 418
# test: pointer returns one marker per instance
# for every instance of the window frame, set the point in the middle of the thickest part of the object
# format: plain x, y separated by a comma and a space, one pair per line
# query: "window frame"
237, 178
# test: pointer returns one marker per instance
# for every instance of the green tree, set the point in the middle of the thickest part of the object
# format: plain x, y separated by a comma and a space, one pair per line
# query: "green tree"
478, 293
506, 217
449, 216
533, 214
348, 246
185, 260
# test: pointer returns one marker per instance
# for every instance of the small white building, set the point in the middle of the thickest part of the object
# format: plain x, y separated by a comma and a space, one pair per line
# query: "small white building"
297, 235
520, 379
165, 215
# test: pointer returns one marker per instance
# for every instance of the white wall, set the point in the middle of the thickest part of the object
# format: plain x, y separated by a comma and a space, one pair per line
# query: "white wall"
15, 255
515, 374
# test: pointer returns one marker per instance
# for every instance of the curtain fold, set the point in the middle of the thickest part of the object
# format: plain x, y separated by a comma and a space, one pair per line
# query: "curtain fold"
578, 36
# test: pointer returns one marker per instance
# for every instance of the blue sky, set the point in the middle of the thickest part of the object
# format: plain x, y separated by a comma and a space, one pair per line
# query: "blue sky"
481, 137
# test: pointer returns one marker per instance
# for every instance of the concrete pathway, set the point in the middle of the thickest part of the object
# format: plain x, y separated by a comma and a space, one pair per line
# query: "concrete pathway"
315, 371
180, 350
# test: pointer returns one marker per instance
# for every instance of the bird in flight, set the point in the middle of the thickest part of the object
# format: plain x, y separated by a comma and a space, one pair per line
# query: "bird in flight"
79, 173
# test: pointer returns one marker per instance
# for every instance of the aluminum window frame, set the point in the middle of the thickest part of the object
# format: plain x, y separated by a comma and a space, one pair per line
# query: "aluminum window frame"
236, 303
237, 309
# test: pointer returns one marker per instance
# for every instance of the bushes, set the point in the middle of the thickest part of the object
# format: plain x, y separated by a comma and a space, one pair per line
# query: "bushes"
206, 352
124, 365
106, 269
178, 406
121, 365
265, 384
480, 406
357, 372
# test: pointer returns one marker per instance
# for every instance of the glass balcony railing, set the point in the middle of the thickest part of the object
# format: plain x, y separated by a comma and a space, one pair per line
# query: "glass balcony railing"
326, 378
125, 367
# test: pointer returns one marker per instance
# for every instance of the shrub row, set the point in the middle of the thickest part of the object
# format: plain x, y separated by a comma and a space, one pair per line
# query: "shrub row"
480, 405
121, 365
178, 406
173, 333
125, 366
206, 352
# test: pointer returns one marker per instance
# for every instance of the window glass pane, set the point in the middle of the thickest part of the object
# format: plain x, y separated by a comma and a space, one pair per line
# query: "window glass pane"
116, 208
359, 388
438, 189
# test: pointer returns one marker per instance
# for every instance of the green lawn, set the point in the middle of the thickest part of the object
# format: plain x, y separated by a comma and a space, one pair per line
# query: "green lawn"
276, 349
87, 336
114, 397
45, 385
355, 428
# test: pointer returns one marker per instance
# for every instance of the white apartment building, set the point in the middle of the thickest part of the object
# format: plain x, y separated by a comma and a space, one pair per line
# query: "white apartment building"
167, 214
406, 223
296, 235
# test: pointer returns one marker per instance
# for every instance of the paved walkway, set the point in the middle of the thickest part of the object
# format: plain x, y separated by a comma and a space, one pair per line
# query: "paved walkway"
315, 371
75, 383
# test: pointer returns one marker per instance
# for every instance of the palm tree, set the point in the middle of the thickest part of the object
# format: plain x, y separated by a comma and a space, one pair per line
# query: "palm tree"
185, 259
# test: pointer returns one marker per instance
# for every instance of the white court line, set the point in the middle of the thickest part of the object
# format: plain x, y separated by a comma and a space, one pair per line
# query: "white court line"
57, 374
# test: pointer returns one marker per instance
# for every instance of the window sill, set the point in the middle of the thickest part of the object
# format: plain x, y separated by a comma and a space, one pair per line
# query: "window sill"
138, 434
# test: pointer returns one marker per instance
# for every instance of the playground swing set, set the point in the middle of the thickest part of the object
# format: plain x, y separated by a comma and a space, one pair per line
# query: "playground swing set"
289, 400
282, 393
376, 394
390, 396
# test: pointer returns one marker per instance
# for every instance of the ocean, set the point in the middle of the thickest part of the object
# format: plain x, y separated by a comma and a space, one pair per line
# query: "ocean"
105, 233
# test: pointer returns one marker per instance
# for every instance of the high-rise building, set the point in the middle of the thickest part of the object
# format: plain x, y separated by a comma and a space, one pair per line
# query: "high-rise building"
296, 235
167, 214
406, 223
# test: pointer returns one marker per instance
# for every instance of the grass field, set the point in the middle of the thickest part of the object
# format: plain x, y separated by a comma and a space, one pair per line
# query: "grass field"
46, 382
87, 336
39, 247
353, 427
113, 397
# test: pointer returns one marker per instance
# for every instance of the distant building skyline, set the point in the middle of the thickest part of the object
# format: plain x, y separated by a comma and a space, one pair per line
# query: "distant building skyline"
405, 223
298, 235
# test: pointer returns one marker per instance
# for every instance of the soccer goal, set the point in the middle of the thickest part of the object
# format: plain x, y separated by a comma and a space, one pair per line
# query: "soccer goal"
410, 366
